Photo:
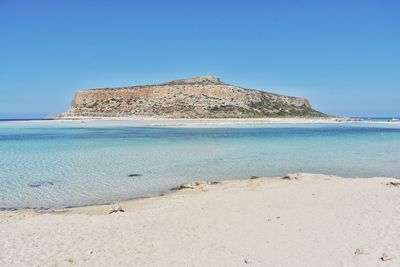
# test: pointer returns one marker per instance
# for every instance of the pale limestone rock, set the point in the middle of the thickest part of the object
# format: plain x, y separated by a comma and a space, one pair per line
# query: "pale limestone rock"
198, 97
385, 257
116, 208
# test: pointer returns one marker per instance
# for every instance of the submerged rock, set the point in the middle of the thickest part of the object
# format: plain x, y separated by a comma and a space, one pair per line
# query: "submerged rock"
41, 183
134, 175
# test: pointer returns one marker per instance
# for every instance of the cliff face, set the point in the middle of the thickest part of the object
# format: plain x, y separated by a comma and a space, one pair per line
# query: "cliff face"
199, 97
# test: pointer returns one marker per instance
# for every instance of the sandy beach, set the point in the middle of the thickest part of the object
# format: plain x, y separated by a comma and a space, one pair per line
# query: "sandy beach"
307, 220
162, 121
199, 133
138, 121
143, 121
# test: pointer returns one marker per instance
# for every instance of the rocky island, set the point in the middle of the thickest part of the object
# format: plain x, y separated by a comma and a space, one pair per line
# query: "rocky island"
198, 97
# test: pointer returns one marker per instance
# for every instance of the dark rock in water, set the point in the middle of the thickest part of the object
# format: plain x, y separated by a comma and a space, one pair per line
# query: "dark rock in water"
254, 177
134, 175
41, 183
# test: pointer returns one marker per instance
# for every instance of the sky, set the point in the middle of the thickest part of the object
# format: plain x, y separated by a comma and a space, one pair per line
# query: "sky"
344, 56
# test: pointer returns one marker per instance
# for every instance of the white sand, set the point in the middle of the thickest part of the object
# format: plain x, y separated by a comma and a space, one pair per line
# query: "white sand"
315, 221
160, 121
181, 122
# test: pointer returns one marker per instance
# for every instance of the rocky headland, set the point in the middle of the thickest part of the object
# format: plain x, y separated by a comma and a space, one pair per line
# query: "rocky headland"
198, 97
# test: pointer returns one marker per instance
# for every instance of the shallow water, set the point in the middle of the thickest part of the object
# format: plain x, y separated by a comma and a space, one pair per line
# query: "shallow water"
54, 165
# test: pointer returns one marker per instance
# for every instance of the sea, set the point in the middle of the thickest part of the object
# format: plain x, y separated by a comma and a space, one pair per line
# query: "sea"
52, 164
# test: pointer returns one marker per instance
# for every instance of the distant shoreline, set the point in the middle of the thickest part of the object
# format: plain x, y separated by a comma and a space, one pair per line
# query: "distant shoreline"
27, 119
142, 121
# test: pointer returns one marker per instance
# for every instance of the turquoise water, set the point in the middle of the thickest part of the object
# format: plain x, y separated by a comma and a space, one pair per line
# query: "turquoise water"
54, 165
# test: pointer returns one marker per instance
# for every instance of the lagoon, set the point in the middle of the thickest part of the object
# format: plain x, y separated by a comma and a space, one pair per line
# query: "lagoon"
54, 165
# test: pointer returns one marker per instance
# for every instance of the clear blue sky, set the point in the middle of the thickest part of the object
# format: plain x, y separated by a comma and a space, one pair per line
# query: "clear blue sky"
342, 55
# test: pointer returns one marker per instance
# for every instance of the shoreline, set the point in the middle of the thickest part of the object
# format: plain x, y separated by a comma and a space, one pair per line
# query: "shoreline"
201, 122
260, 221
187, 188
195, 186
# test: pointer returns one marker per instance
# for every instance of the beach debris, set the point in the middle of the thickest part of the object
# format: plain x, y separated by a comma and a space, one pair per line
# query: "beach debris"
291, 176
187, 185
360, 251
134, 175
254, 177
40, 183
193, 185
277, 218
385, 257
395, 184
116, 208
213, 182
248, 261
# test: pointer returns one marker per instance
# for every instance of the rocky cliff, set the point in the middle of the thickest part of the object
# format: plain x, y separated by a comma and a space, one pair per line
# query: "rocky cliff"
199, 97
